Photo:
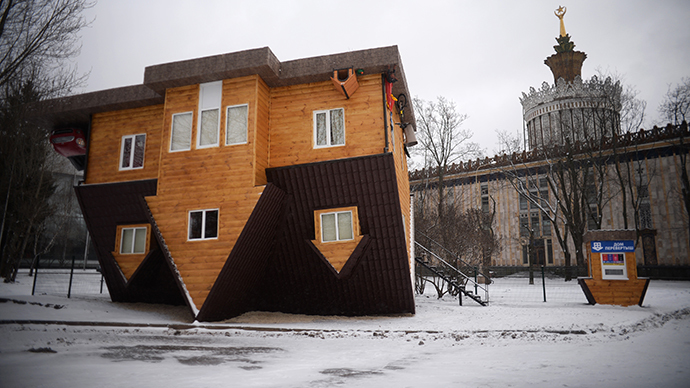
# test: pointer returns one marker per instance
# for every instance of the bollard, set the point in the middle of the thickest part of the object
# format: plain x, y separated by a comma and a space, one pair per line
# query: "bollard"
543, 283
33, 288
71, 274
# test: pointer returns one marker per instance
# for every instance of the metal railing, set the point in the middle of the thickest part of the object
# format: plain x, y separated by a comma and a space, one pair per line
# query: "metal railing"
467, 279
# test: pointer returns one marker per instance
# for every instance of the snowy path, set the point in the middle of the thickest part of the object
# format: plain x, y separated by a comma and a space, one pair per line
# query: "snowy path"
533, 344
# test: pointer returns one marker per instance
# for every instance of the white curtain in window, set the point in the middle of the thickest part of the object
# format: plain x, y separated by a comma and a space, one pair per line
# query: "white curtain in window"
126, 152
321, 129
345, 226
139, 240
209, 127
328, 232
337, 127
127, 237
139, 147
181, 132
236, 127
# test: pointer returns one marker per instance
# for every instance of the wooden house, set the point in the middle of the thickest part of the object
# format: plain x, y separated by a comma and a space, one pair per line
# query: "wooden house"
239, 182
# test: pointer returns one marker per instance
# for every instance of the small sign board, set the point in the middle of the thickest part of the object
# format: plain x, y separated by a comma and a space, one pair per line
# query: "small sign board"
613, 246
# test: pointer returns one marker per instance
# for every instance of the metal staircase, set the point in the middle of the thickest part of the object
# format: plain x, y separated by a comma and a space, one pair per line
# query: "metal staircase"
454, 277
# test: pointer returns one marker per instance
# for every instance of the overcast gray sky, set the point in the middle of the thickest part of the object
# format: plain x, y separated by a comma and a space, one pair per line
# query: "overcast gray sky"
480, 54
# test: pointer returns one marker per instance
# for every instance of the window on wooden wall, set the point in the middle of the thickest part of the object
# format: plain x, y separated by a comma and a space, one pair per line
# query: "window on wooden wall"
341, 224
236, 122
181, 132
209, 114
133, 240
329, 128
203, 224
132, 152
336, 226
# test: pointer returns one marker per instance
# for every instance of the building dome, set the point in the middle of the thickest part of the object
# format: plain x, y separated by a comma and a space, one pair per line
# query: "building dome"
570, 110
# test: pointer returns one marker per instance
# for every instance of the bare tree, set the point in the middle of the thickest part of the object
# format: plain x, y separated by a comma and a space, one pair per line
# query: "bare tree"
539, 190
466, 235
40, 36
29, 183
509, 143
464, 238
628, 170
676, 107
37, 38
442, 138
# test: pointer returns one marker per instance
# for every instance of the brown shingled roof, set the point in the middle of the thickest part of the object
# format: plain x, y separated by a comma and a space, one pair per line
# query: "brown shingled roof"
76, 110
105, 206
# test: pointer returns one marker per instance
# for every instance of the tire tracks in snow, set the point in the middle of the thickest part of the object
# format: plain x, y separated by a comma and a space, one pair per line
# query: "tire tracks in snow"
654, 321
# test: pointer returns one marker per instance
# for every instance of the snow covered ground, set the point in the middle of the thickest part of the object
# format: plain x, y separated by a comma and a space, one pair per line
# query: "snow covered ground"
89, 341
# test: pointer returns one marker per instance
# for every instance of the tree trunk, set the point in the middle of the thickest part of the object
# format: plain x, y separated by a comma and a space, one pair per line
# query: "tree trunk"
441, 198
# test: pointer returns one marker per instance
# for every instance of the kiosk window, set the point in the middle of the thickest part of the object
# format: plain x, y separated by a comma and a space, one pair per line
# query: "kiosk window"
613, 266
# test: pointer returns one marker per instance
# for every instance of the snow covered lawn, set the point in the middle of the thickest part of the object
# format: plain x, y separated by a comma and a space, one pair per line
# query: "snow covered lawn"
90, 342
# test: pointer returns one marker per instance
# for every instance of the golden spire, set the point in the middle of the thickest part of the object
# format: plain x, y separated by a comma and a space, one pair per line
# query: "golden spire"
559, 13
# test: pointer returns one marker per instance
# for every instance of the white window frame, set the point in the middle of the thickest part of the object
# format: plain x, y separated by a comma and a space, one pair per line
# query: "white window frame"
136, 230
172, 131
227, 123
210, 96
328, 128
337, 227
130, 164
203, 224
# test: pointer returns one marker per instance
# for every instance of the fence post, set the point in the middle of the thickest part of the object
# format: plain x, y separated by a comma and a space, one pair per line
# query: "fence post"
33, 288
86, 249
71, 274
475, 280
543, 283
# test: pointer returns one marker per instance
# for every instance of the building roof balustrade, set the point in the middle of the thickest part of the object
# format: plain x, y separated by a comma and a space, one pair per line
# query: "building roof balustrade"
656, 134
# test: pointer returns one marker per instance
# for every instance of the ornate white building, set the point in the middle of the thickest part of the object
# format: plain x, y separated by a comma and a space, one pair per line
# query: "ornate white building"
572, 111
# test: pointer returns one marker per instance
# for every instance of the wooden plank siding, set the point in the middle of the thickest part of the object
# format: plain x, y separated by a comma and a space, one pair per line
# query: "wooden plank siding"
292, 124
221, 177
261, 134
403, 178
105, 144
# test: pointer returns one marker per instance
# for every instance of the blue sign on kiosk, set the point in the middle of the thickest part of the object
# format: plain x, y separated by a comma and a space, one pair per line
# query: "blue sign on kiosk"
613, 246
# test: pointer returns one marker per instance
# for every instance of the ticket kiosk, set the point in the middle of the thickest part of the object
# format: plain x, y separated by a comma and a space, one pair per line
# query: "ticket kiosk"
612, 269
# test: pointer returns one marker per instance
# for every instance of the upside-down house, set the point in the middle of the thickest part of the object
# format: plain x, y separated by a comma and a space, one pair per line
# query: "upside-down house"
238, 182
